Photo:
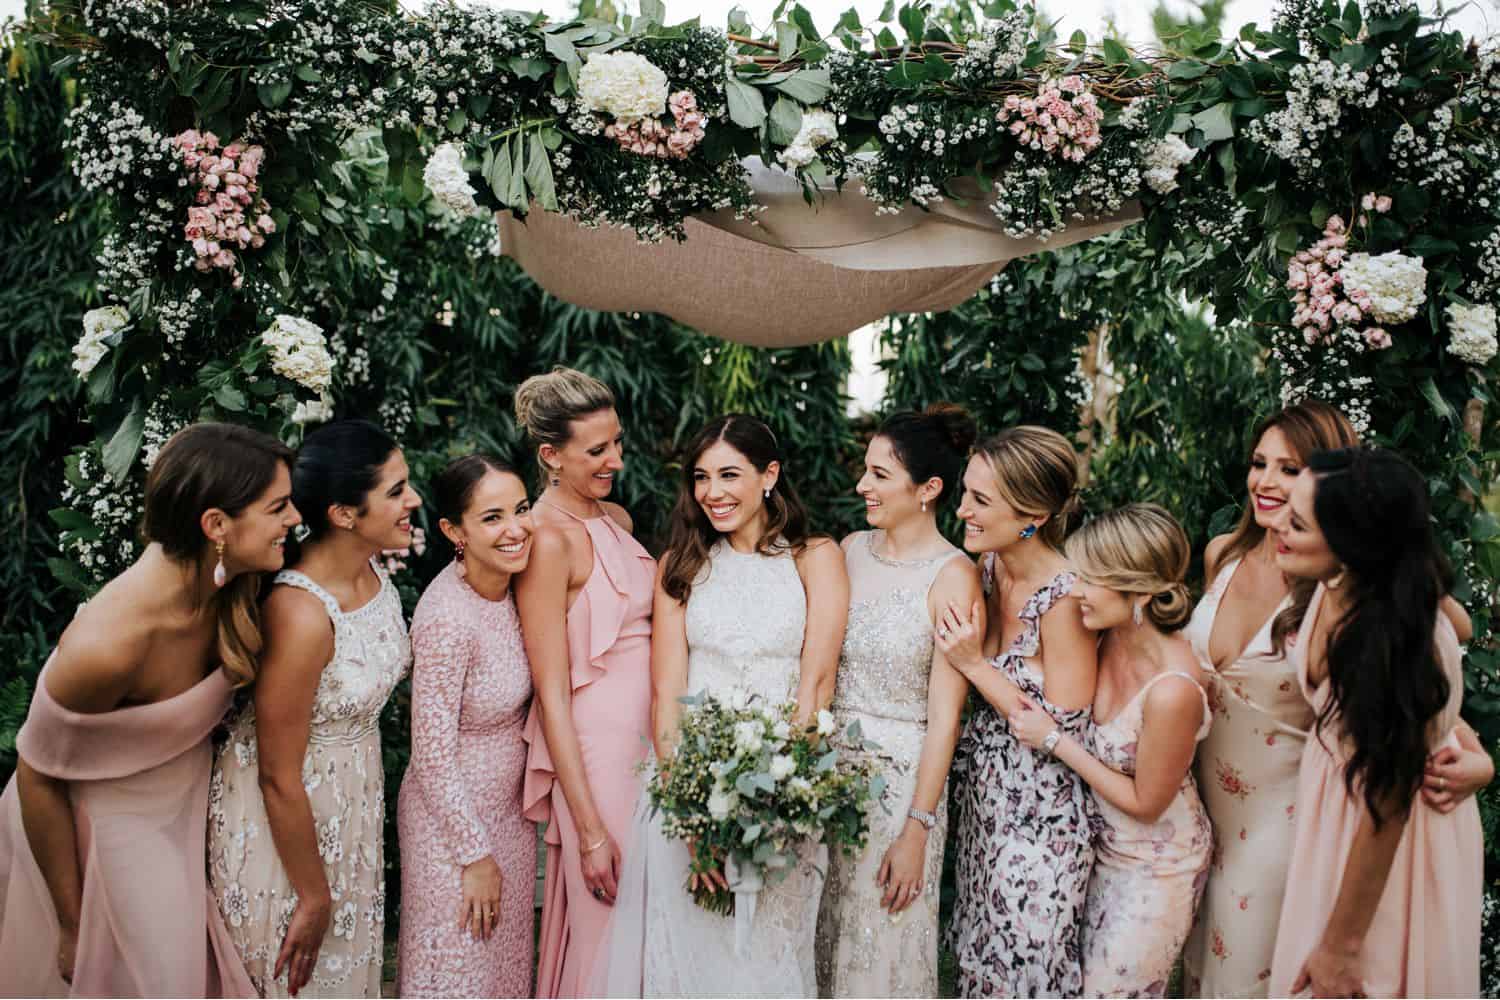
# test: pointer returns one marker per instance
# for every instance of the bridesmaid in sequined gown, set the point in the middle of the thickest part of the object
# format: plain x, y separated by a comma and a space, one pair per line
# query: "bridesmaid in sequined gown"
468, 855
878, 926
1024, 844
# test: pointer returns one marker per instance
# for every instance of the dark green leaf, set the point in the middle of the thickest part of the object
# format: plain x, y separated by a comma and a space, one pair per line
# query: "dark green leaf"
747, 106
125, 444
786, 119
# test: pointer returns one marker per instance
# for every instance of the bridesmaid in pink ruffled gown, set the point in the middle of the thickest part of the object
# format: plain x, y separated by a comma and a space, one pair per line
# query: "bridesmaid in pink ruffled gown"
102, 887
468, 855
585, 604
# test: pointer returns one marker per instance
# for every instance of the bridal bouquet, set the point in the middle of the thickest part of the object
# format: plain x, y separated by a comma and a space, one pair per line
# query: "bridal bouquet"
748, 788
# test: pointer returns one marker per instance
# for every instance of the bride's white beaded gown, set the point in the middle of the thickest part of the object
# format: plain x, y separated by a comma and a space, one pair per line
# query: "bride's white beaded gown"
746, 617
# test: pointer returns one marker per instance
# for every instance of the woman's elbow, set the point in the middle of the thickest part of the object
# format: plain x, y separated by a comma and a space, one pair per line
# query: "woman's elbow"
280, 786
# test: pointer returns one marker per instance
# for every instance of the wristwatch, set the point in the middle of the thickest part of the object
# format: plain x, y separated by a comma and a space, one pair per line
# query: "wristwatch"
1049, 744
927, 819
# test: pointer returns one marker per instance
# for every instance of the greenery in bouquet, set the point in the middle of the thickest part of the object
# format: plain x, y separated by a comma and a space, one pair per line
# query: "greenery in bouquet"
748, 783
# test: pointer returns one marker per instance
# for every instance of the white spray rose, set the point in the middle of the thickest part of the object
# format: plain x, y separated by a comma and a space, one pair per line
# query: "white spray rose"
448, 181
782, 730
1473, 333
782, 766
624, 85
748, 736
718, 804
1396, 284
1162, 162
826, 724
299, 352
819, 128
98, 324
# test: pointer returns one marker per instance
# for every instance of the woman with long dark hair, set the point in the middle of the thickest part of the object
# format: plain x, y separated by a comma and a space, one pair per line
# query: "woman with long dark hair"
102, 832
747, 600
1383, 895
297, 806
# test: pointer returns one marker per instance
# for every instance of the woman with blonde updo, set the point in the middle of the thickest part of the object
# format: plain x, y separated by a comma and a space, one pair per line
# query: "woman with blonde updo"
585, 606
1023, 847
1153, 851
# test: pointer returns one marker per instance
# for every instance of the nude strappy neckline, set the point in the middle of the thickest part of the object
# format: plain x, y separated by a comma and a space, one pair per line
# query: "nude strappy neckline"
1216, 594
1125, 708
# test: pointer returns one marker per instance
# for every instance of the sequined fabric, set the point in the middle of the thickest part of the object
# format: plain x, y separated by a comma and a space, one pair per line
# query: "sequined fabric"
345, 785
882, 683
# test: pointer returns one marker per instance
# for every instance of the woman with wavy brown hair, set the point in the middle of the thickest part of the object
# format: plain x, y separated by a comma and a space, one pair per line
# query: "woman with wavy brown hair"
1248, 765
102, 829
747, 600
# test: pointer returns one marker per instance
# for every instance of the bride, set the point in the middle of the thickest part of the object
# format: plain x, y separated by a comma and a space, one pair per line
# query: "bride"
744, 599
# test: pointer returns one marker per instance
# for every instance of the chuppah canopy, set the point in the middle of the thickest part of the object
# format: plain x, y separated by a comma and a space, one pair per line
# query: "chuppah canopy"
795, 274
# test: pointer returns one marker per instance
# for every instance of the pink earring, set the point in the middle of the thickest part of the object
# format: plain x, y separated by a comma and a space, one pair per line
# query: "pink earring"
221, 576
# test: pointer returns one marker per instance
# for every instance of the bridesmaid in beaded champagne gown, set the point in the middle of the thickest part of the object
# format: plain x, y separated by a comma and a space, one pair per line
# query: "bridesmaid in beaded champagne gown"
863, 949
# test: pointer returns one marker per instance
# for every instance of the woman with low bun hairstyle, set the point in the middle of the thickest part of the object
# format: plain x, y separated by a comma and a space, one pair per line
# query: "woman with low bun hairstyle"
585, 606
878, 928
102, 828
297, 808
468, 855
1023, 845
1384, 891
1150, 712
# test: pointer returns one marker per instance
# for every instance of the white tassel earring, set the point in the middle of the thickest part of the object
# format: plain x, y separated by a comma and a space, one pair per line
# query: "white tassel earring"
221, 575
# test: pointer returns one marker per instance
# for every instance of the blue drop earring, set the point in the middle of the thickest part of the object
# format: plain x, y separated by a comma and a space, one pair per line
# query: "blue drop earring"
1028, 531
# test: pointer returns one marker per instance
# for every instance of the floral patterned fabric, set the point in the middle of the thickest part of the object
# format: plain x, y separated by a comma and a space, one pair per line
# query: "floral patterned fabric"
461, 795
345, 786
1147, 876
1024, 843
1247, 775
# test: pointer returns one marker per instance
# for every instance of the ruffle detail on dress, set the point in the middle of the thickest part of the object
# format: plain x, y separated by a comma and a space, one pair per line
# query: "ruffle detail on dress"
90, 746
599, 618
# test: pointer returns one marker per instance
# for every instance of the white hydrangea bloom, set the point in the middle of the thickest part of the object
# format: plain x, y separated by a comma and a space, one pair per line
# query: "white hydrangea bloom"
819, 128
91, 348
1162, 161
448, 181
624, 85
1396, 284
1473, 333
299, 352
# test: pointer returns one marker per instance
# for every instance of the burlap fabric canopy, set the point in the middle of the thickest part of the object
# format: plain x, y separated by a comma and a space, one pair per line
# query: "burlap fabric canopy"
797, 274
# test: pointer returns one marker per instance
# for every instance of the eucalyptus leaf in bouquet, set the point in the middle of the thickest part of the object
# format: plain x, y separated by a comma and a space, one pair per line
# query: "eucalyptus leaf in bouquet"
750, 786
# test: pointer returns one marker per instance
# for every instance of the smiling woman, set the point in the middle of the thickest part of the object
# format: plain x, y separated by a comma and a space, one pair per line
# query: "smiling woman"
281, 848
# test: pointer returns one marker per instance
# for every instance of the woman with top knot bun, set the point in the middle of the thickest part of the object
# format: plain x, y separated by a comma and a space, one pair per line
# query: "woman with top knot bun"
878, 929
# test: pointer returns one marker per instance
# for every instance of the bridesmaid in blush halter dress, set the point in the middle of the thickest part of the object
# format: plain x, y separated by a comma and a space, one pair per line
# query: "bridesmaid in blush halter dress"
468, 855
1383, 894
585, 606
878, 927
103, 827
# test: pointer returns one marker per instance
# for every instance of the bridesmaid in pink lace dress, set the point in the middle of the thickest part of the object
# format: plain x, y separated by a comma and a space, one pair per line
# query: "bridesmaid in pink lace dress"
102, 887
468, 855
585, 604
1383, 894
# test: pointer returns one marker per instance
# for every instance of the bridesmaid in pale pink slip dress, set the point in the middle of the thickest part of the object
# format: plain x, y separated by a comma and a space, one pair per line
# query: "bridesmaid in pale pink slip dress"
1150, 712
1384, 891
102, 889
468, 855
585, 605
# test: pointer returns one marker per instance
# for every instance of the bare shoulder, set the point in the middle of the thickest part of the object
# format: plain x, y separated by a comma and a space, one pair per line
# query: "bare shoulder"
550, 539
849, 539
1212, 553
819, 553
619, 515
1171, 698
293, 616
958, 580
99, 658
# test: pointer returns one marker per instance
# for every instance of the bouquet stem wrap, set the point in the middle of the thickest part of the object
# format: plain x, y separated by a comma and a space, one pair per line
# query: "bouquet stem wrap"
746, 883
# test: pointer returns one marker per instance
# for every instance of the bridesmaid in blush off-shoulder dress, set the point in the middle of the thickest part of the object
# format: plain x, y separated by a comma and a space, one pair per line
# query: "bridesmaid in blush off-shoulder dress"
468, 854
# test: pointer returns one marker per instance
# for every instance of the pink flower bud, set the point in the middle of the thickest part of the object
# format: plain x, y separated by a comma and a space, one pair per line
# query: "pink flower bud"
1383, 205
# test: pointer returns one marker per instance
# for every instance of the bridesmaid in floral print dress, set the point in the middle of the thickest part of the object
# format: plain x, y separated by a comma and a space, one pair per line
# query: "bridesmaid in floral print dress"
296, 851
1154, 841
468, 855
1023, 847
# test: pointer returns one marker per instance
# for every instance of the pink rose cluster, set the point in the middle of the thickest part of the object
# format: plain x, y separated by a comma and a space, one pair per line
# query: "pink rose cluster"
650, 137
228, 212
1315, 278
1062, 120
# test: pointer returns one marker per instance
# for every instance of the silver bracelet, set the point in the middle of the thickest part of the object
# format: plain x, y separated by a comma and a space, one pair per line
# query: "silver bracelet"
927, 819
1049, 744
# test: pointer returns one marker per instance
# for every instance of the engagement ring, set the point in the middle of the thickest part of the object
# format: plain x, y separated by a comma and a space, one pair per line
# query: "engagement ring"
598, 893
